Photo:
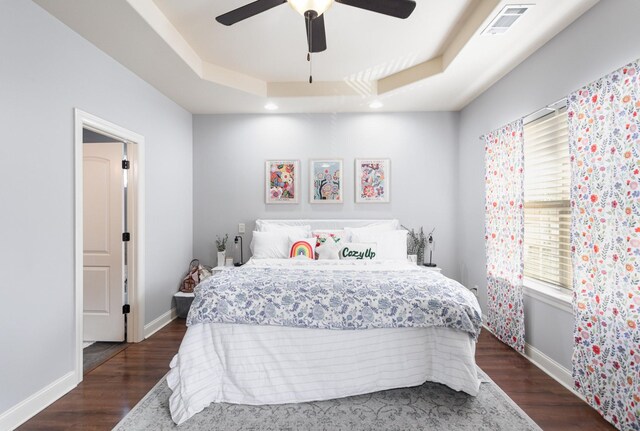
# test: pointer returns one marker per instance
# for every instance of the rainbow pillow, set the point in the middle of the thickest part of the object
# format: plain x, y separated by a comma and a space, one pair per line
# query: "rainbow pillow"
305, 247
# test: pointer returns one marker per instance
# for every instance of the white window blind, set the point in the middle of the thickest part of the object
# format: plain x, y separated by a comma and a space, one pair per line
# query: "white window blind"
547, 210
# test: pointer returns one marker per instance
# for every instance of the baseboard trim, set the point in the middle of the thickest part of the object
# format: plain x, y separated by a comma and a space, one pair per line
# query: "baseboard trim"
550, 367
556, 371
28, 408
159, 323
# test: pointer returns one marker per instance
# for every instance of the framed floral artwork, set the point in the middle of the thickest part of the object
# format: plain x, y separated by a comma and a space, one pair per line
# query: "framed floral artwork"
282, 181
325, 181
373, 180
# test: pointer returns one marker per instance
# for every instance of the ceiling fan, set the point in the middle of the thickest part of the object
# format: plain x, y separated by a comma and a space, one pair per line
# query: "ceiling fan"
313, 13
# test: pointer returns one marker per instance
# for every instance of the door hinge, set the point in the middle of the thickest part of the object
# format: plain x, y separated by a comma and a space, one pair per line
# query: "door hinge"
125, 164
126, 309
126, 237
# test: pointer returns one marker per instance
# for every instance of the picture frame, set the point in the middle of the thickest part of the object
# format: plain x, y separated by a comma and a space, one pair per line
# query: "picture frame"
326, 178
373, 180
282, 181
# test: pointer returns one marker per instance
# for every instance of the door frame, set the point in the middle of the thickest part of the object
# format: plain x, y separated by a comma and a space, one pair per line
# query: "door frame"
135, 215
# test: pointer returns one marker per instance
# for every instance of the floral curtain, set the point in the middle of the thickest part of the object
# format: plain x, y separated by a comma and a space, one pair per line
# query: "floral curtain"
604, 123
504, 231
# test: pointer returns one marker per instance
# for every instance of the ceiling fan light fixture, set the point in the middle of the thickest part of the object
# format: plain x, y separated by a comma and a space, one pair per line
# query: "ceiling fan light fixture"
318, 6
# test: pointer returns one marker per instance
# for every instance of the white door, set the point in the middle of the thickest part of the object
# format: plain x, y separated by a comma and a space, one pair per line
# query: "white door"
103, 249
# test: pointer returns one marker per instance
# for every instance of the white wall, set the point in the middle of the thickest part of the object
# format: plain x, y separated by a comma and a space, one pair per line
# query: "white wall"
45, 71
602, 40
230, 150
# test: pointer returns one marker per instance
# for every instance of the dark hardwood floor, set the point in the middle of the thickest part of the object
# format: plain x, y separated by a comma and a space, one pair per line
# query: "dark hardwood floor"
546, 401
108, 392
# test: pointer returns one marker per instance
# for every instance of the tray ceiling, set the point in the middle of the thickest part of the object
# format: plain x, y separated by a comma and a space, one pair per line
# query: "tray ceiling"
437, 59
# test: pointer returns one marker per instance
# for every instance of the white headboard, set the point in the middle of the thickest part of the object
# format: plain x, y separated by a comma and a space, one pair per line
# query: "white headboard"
325, 224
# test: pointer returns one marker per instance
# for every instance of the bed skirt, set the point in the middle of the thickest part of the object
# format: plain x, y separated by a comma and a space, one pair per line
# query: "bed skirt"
246, 364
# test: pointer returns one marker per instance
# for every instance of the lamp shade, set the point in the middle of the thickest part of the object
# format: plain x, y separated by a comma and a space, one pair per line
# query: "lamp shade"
302, 6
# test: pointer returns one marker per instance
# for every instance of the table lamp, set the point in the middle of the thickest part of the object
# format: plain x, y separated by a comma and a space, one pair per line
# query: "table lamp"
431, 245
235, 240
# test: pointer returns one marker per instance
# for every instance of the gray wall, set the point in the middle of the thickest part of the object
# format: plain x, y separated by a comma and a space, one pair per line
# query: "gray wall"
437, 167
230, 150
600, 41
45, 71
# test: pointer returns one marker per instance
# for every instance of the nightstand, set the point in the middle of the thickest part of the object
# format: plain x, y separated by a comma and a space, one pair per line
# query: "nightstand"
183, 303
432, 268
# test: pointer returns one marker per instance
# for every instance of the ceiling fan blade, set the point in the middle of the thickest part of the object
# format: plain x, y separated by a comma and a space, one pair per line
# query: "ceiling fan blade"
247, 11
397, 8
316, 35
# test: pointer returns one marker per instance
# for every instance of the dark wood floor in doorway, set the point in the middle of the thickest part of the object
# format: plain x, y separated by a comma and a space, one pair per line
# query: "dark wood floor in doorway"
98, 353
109, 391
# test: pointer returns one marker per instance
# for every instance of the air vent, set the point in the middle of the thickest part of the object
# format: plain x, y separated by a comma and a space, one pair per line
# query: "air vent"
506, 18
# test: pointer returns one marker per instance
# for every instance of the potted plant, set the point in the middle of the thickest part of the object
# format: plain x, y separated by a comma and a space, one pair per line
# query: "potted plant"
416, 242
221, 245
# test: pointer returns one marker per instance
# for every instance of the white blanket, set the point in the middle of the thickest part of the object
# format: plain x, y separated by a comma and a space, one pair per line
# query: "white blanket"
248, 364
245, 364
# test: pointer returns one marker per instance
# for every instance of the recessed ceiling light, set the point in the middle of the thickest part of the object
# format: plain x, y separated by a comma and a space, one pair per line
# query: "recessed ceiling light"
376, 104
270, 106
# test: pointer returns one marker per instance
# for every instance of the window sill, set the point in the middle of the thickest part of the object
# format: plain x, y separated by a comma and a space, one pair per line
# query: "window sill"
551, 295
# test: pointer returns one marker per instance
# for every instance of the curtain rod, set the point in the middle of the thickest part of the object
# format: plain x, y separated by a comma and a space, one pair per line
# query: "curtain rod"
562, 102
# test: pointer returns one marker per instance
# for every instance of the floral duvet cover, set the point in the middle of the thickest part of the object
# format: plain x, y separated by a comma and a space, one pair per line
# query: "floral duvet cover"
338, 295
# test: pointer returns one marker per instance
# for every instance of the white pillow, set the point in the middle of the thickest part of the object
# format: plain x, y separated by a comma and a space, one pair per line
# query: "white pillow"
269, 245
372, 228
297, 231
328, 251
302, 247
358, 251
392, 245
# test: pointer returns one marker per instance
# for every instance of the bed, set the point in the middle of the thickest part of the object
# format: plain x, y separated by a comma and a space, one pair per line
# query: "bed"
281, 330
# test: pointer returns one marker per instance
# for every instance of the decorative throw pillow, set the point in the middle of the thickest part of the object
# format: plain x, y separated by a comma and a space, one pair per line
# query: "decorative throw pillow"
392, 245
302, 247
329, 236
328, 251
326, 237
358, 251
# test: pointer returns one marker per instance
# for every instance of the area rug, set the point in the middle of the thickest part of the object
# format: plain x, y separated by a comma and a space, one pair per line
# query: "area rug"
431, 406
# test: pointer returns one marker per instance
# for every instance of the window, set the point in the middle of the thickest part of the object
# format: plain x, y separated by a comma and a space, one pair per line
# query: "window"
547, 209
